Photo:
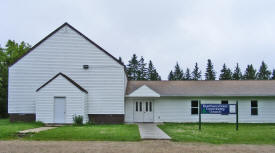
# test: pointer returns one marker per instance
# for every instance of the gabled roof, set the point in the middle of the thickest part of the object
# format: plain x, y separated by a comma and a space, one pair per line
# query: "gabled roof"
63, 25
144, 91
66, 77
218, 88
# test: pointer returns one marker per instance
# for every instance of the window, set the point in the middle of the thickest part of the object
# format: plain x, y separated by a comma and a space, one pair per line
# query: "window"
136, 106
224, 101
254, 107
194, 107
150, 106
140, 106
146, 106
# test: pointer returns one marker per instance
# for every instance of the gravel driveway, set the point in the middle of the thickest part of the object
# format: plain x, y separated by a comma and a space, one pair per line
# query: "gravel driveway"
158, 146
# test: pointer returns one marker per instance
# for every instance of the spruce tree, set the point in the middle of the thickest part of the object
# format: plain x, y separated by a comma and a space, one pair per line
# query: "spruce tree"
196, 74
226, 73
178, 73
152, 72
264, 73
273, 75
142, 70
210, 73
250, 73
132, 68
187, 75
237, 75
171, 76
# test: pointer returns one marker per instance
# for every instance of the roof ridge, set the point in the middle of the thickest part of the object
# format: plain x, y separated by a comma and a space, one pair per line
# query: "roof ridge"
191, 80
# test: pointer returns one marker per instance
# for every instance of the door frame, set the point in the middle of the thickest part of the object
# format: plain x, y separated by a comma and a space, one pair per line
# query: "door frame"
65, 108
143, 100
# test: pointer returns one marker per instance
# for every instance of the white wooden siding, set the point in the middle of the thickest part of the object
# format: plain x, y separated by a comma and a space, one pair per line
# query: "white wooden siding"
66, 51
60, 87
129, 111
179, 110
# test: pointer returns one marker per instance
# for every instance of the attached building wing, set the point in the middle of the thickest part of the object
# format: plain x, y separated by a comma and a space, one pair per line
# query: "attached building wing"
217, 88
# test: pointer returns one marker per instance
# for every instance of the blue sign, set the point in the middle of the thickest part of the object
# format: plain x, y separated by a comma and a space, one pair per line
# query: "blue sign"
214, 108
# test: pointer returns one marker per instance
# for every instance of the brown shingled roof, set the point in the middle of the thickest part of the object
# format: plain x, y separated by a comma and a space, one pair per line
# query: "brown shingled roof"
207, 88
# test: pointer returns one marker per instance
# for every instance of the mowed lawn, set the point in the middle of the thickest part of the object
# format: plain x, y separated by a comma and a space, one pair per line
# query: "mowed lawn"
221, 133
8, 130
120, 132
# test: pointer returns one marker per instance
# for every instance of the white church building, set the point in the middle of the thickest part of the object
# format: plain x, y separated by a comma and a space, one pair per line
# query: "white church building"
67, 74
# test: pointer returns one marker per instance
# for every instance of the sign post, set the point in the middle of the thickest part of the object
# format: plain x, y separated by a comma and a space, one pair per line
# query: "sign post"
223, 109
237, 115
199, 114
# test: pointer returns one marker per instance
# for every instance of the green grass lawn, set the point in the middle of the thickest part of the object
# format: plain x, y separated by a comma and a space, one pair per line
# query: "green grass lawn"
8, 130
122, 132
221, 133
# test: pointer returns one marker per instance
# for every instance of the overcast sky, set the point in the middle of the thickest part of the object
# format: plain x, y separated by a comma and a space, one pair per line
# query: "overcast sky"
187, 31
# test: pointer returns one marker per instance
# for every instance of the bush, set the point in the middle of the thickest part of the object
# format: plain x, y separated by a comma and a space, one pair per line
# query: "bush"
40, 123
78, 120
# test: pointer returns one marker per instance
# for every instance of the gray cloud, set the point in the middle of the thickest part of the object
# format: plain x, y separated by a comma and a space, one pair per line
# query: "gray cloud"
189, 31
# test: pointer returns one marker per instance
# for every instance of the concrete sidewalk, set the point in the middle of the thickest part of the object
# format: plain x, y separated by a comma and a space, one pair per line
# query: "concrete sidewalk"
36, 130
152, 132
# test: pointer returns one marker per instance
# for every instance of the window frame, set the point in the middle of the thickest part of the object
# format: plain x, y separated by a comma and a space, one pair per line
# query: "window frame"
254, 108
224, 101
192, 107
150, 106
137, 106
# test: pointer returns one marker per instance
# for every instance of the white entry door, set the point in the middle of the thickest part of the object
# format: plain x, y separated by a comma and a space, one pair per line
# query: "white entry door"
59, 110
143, 111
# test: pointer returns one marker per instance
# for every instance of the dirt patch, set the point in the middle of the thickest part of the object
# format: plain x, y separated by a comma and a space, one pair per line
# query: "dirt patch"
160, 146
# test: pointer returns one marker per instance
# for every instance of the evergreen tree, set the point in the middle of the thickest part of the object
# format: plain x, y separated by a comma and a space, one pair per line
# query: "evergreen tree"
250, 73
226, 73
142, 70
196, 74
210, 73
152, 72
132, 68
171, 76
237, 75
187, 74
178, 73
264, 73
273, 75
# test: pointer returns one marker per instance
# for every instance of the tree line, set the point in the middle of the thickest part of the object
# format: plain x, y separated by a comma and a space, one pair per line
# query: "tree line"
137, 69
226, 73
